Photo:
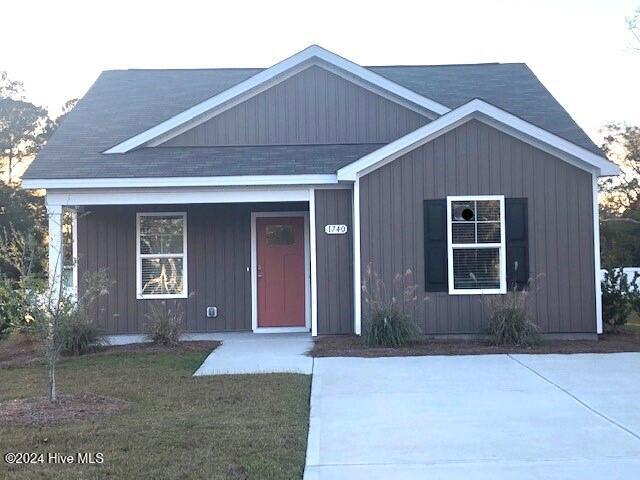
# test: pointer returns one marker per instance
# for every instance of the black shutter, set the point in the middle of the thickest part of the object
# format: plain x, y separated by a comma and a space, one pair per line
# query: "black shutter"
435, 245
517, 239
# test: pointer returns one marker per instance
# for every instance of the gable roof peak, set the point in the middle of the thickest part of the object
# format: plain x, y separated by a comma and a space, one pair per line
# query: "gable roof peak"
207, 109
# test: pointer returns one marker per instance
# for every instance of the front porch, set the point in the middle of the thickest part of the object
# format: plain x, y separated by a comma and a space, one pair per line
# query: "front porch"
220, 263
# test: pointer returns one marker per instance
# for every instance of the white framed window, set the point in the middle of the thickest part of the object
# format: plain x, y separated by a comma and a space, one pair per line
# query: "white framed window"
476, 245
161, 255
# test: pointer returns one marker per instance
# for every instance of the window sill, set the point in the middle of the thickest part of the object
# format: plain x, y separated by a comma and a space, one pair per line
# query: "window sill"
479, 291
165, 296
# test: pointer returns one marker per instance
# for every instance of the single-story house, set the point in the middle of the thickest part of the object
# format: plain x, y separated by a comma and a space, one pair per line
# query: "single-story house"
258, 199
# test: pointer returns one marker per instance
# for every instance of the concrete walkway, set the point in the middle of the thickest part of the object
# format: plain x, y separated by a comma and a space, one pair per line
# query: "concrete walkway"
259, 353
481, 417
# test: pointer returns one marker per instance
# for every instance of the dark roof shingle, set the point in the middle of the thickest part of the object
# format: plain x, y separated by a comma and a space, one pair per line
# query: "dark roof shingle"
122, 103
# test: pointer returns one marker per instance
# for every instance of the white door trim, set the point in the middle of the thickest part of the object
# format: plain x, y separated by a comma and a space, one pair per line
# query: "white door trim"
254, 274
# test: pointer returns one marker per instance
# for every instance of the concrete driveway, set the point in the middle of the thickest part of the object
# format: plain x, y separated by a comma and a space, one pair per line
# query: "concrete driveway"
476, 417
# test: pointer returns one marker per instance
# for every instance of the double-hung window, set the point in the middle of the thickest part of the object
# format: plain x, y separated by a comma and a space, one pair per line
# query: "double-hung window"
476, 244
161, 255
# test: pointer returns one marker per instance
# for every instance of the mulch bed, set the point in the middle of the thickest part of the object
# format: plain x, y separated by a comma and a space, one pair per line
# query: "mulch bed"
68, 408
626, 340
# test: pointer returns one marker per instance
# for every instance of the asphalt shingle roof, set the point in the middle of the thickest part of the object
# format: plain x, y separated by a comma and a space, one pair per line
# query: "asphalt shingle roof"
122, 103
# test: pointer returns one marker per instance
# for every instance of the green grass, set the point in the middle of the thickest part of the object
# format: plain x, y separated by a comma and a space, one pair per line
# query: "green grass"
177, 426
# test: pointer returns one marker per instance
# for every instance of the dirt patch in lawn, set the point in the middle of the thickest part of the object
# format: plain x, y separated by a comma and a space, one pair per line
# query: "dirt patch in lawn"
21, 350
18, 349
626, 340
68, 408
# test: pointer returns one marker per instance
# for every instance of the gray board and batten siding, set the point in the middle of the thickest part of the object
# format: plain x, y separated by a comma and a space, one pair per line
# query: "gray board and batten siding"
218, 255
472, 159
334, 261
476, 159
313, 107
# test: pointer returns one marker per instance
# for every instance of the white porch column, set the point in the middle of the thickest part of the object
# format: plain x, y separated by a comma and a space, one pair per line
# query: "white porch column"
56, 257
314, 274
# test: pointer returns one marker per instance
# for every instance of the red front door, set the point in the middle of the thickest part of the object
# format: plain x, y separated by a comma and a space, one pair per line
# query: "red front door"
280, 259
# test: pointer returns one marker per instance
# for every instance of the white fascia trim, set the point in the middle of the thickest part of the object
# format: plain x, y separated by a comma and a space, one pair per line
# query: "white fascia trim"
145, 182
277, 70
175, 196
489, 114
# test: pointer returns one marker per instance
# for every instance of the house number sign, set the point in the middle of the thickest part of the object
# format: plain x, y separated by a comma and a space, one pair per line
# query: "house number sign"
335, 229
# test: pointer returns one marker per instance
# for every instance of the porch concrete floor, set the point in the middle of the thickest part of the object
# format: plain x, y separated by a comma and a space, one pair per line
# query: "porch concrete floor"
248, 352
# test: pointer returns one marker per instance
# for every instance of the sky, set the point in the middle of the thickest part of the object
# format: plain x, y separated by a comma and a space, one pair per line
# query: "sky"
581, 50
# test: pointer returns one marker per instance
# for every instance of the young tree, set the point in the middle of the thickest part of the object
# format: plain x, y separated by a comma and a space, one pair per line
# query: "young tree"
52, 312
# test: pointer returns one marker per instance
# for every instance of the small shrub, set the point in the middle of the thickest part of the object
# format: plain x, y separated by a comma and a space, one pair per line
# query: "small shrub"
387, 323
390, 328
509, 321
165, 324
81, 336
16, 305
619, 297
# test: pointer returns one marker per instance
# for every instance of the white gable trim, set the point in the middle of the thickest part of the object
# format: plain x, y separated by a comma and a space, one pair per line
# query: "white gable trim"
489, 114
263, 80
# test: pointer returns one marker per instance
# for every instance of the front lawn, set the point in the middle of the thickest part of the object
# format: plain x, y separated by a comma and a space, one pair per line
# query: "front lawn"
176, 426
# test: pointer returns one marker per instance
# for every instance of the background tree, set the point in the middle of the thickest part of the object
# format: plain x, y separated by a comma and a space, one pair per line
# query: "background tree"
620, 209
634, 27
22, 215
66, 108
24, 127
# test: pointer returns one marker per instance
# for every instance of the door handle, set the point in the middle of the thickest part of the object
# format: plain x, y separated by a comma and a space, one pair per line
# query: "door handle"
259, 271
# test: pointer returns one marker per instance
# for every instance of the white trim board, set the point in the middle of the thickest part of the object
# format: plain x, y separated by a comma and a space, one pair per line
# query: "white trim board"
150, 182
596, 254
490, 114
254, 274
167, 196
313, 260
259, 82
